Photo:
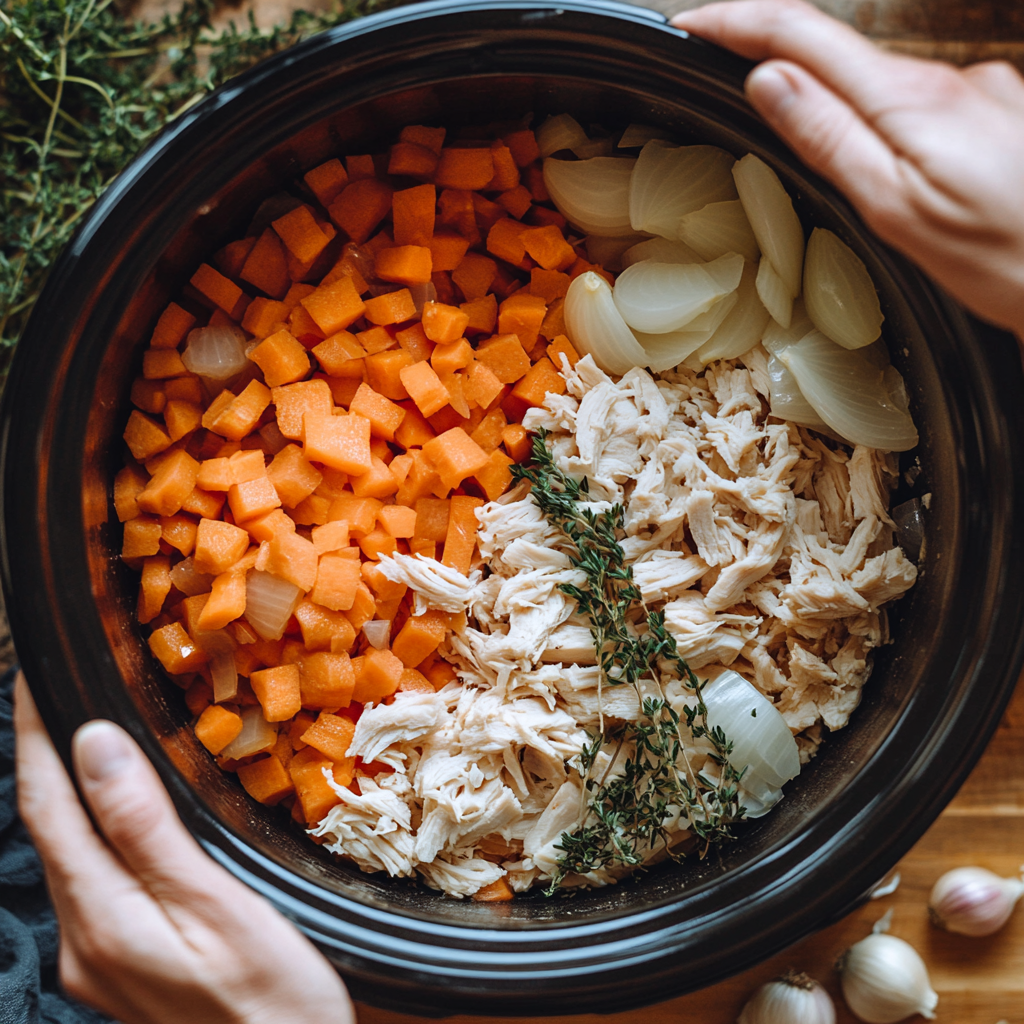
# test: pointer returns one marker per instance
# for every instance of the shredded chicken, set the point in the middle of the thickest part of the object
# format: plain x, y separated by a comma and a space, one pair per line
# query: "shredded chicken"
769, 550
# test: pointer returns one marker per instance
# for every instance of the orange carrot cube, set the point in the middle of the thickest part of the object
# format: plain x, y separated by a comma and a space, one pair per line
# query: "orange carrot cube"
341, 355
154, 586
180, 532
482, 387
414, 430
462, 530
384, 415
181, 418
292, 476
158, 363
419, 637
504, 240
447, 358
314, 792
432, 518
474, 276
149, 395
266, 266
377, 482
226, 603
390, 308
142, 537
431, 138
277, 690
326, 181
218, 546
234, 417
424, 387
216, 287
341, 442
290, 557
522, 314
447, 249
326, 679
171, 328
294, 401
378, 677
398, 520
489, 430
517, 201
405, 264
145, 437
128, 484
360, 207
421, 480
505, 357
539, 380
337, 579
383, 373
494, 479
252, 498
413, 215
331, 735
334, 306
455, 455
321, 628
410, 160
442, 323
177, 651
217, 727
203, 503
263, 315
547, 245
282, 359
301, 234
266, 781
170, 485
561, 346
468, 169
331, 537
482, 313
359, 513
376, 543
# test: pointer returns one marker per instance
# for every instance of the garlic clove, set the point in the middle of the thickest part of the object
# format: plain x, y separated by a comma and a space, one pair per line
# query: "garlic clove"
973, 901
884, 980
791, 999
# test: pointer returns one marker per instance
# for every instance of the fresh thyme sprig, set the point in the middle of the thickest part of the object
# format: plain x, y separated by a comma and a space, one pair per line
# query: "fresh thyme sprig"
628, 811
82, 90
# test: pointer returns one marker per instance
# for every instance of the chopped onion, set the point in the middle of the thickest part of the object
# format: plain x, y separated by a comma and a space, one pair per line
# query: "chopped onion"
269, 603
719, 228
773, 292
742, 327
862, 401
761, 740
838, 292
592, 194
220, 650
773, 219
776, 337
660, 250
188, 581
671, 181
786, 399
558, 132
217, 353
659, 297
422, 294
378, 632
608, 251
257, 735
596, 327
637, 135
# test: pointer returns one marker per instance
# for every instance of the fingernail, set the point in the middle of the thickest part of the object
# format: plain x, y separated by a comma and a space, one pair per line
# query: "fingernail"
102, 750
770, 87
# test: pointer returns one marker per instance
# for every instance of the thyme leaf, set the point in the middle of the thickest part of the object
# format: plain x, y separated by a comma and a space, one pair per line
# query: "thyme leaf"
629, 809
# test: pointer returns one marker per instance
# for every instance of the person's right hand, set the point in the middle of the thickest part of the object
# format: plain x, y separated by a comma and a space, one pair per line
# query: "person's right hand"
931, 156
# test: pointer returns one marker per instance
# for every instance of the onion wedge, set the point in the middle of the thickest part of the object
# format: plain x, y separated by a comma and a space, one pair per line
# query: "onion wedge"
592, 194
595, 327
719, 228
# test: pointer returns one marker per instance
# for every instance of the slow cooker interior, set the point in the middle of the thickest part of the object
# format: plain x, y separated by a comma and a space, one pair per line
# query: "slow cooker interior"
901, 669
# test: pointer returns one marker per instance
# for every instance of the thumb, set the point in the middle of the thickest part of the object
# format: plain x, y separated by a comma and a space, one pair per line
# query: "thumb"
133, 810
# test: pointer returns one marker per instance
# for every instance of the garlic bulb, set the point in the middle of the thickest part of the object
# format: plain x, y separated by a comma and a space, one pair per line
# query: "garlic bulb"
791, 999
884, 980
973, 901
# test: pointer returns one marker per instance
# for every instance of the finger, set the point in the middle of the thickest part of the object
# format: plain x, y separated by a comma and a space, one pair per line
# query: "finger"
135, 813
999, 81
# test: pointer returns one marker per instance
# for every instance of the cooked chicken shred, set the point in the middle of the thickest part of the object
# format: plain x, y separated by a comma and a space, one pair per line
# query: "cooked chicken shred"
770, 551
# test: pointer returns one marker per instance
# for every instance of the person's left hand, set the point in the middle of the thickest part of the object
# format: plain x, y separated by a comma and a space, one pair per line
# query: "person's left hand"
152, 930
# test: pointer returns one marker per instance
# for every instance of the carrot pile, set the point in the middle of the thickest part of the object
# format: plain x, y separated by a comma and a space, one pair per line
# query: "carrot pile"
402, 314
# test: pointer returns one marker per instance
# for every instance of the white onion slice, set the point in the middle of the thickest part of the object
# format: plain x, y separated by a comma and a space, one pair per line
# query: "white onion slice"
592, 194
773, 292
596, 327
669, 350
786, 399
742, 328
839, 293
378, 632
861, 401
762, 742
660, 250
773, 219
671, 181
558, 132
594, 147
217, 353
269, 603
607, 252
719, 228
220, 649
257, 735
776, 337
637, 135
659, 297
188, 581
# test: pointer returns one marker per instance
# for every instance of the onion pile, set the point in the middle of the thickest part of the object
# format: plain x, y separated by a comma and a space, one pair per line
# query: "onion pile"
726, 269
216, 353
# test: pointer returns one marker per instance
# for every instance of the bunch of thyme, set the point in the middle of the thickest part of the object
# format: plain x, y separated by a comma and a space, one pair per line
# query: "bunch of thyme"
627, 811
82, 90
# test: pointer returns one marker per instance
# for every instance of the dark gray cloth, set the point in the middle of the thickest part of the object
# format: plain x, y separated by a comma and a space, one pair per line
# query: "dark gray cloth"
29, 990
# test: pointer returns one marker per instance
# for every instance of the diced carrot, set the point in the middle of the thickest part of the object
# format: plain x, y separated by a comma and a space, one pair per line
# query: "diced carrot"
404, 264
331, 537
216, 287
414, 340
292, 475
364, 607
489, 431
185, 389
301, 234
267, 781
336, 581
504, 240
335, 306
128, 484
522, 314
218, 546
400, 466
554, 322
149, 395
541, 379
227, 601
154, 586
282, 359
179, 532
445, 419
203, 503
414, 430
262, 316
376, 339
456, 207
321, 627
462, 530
424, 386
547, 245
482, 386
412, 161
506, 173
216, 475
360, 167
399, 521
145, 437
468, 169
533, 178
447, 249
232, 257
413, 214
294, 401
378, 677
548, 284
341, 442
482, 313
516, 441
494, 479
453, 382
171, 328
517, 201
326, 181
384, 373
414, 682
432, 518
177, 651
326, 679
181, 418
390, 308
359, 513
376, 543
498, 891
504, 356
266, 266
314, 792
331, 735
217, 727
290, 557
252, 498
455, 455
277, 690
341, 355
343, 389
443, 324
419, 637
170, 485
377, 482
432, 138
440, 674
384, 588
158, 363
523, 145
348, 265
199, 696
360, 207
235, 417
561, 346
474, 276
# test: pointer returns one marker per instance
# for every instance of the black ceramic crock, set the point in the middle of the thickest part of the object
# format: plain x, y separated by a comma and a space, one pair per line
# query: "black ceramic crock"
936, 694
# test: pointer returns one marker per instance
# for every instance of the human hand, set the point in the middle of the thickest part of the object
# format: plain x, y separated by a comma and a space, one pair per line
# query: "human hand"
153, 931
931, 156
